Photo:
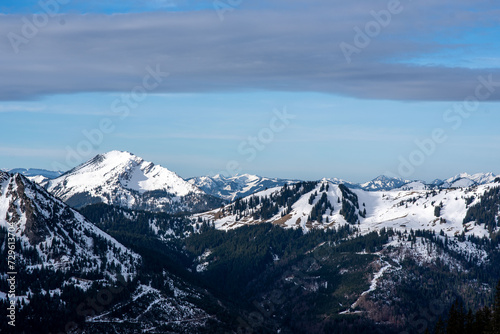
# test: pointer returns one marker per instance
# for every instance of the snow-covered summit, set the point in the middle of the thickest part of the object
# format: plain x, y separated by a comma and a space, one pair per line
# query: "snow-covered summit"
132, 172
123, 179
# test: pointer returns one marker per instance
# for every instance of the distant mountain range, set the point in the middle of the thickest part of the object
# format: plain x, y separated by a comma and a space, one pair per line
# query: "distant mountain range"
35, 174
230, 188
123, 179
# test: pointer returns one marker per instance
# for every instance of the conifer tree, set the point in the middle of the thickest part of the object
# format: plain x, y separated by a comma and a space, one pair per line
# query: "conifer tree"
456, 319
496, 311
440, 327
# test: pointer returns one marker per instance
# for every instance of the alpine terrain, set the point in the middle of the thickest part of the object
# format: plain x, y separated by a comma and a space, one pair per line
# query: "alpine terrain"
144, 251
65, 274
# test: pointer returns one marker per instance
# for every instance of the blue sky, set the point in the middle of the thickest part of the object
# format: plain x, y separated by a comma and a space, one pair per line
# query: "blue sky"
230, 75
106, 7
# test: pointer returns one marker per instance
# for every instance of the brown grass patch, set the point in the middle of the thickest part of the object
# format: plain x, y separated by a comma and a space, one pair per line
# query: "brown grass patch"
283, 220
218, 215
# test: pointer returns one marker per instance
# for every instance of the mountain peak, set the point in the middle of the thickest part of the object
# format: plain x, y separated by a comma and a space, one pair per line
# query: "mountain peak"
386, 178
383, 182
124, 179
132, 172
118, 156
111, 158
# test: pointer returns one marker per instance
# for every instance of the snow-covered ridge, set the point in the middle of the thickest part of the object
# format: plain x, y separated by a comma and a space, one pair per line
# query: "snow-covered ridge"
400, 209
467, 180
383, 182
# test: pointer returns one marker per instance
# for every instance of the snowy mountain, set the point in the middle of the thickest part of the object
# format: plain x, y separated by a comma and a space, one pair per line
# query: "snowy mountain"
123, 179
55, 237
415, 185
232, 187
325, 204
466, 180
383, 182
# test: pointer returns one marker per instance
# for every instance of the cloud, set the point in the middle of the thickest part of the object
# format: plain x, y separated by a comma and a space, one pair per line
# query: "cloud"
5, 108
272, 46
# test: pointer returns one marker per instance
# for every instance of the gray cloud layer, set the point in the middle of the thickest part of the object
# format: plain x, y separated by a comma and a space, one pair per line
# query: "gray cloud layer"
292, 47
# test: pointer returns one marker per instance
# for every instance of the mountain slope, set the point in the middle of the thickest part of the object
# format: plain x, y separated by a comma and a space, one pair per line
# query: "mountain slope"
426, 246
123, 179
56, 236
381, 265
59, 258
71, 273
